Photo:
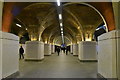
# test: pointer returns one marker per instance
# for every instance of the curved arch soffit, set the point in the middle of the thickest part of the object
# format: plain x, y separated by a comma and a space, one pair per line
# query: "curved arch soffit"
86, 4
67, 28
52, 31
42, 28
41, 32
76, 20
34, 4
67, 35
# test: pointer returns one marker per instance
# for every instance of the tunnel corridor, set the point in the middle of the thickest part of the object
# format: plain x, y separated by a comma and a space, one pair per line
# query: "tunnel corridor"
88, 31
54, 66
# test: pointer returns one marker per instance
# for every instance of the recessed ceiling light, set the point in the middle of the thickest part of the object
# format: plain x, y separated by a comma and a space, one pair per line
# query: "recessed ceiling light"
58, 2
60, 16
18, 25
62, 32
97, 29
61, 24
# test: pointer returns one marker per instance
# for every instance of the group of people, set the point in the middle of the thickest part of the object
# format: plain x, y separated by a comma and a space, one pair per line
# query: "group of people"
58, 49
65, 50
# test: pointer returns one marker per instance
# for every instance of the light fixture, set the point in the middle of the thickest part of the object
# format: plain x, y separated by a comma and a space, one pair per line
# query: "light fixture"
62, 32
61, 29
78, 27
97, 29
58, 2
26, 29
60, 16
61, 24
18, 25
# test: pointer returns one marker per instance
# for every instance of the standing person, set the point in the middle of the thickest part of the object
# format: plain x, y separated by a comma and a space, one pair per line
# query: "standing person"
58, 50
21, 51
64, 49
67, 50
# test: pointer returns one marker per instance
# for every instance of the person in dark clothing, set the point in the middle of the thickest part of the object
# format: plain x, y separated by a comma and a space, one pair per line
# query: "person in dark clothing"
58, 50
64, 49
21, 51
67, 51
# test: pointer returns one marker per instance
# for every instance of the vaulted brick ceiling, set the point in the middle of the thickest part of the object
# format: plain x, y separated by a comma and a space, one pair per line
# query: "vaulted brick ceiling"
41, 20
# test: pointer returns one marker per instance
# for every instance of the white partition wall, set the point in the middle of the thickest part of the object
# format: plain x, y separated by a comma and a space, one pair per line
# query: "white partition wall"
10, 54
0, 55
87, 51
1, 10
52, 48
118, 54
47, 50
71, 48
108, 54
34, 50
75, 49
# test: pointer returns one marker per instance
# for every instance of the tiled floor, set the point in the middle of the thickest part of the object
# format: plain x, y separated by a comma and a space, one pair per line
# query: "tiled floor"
63, 66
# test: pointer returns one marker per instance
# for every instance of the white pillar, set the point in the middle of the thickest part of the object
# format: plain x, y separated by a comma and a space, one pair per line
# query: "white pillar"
9, 47
47, 49
116, 9
71, 48
52, 48
88, 51
118, 54
75, 49
108, 55
10, 54
34, 50
1, 9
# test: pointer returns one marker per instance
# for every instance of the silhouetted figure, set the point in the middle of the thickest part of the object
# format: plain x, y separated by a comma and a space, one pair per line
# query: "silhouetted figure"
64, 49
58, 50
21, 51
67, 49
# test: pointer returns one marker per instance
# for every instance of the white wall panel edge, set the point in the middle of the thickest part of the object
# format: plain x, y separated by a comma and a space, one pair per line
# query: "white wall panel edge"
0, 56
37, 52
118, 54
10, 54
47, 49
107, 55
87, 50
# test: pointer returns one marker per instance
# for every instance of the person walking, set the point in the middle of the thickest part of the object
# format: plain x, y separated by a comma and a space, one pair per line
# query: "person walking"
21, 51
67, 51
58, 50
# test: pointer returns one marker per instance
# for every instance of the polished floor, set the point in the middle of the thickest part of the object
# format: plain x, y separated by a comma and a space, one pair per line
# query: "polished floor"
63, 66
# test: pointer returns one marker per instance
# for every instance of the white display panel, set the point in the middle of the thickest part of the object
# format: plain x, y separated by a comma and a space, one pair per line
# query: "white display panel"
52, 48
10, 54
75, 49
34, 50
47, 49
0, 55
87, 50
107, 55
71, 48
118, 54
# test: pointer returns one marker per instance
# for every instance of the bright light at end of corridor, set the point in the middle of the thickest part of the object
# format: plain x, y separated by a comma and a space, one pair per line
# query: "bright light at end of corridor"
58, 2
